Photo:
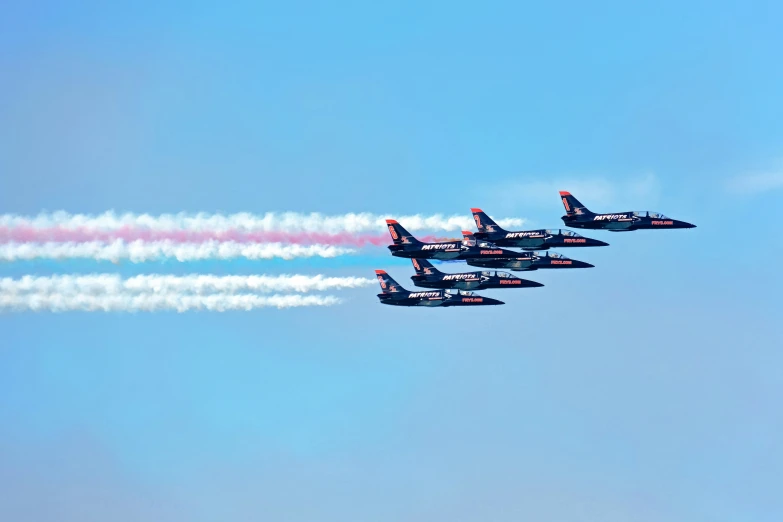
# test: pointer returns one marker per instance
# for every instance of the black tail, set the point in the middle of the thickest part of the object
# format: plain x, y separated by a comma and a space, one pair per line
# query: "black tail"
389, 285
572, 205
424, 267
399, 235
484, 223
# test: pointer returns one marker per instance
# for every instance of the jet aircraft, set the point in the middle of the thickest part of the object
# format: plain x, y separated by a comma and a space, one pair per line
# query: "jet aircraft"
541, 239
427, 276
578, 216
405, 245
526, 261
393, 294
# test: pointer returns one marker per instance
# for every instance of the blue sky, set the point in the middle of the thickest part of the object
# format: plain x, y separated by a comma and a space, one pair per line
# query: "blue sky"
647, 388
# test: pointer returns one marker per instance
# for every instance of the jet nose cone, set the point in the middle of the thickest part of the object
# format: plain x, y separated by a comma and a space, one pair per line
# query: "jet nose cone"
490, 301
683, 224
582, 264
599, 243
530, 284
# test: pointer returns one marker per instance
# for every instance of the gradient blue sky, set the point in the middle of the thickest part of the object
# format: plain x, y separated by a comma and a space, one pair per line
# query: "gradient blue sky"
646, 389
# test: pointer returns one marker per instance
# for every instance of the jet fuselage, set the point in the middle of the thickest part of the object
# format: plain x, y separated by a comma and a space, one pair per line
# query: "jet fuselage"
435, 298
448, 251
472, 281
543, 239
623, 222
527, 261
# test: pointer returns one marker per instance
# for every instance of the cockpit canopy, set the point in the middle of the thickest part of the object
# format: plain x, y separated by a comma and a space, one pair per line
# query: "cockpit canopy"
553, 255
560, 231
491, 273
650, 214
458, 292
471, 242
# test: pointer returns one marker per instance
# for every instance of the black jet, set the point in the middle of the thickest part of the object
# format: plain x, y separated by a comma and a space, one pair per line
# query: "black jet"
393, 294
405, 245
427, 276
578, 216
526, 261
541, 239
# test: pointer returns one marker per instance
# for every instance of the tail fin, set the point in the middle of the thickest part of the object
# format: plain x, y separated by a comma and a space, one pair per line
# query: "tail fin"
399, 235
424, 267
572, 205
388, 285
483, 222
468, 239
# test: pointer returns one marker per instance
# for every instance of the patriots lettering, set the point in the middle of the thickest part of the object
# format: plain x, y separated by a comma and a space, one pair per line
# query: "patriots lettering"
420, 295
609, 217
458, 277
440, 246
515, 235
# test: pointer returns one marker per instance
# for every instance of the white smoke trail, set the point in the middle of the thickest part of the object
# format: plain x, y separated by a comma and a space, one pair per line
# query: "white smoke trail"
247, 222
140, 251
125, 302
104, 284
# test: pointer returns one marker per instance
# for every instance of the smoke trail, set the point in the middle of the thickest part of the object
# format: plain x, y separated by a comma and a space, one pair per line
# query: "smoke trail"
28, 234
243, 222
140, 251
104, 284
124, 302
127, 234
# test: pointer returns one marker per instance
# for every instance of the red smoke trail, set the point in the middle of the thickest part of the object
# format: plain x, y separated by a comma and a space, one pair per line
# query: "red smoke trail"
80, 235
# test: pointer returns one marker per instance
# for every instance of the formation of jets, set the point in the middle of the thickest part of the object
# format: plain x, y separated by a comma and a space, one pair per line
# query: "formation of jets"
488, 248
